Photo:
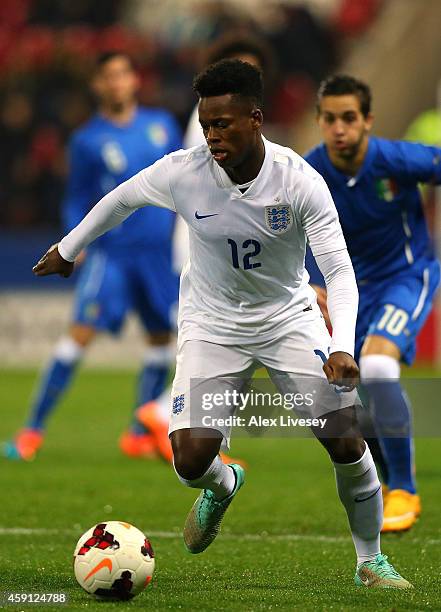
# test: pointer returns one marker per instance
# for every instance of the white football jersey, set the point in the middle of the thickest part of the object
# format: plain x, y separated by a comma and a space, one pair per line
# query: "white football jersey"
245, 280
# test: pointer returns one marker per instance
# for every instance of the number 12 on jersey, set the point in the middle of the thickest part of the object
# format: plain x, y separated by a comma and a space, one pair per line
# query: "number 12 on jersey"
244, 258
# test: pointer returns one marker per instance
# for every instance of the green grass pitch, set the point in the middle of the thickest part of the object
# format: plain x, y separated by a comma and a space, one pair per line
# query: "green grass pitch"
285, 544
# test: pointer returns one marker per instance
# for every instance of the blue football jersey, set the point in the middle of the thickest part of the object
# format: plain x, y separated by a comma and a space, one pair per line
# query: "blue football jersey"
103, 155
380, 208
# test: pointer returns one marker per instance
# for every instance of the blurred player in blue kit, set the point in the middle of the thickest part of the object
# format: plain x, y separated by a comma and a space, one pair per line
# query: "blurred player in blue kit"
374, 184
129, 268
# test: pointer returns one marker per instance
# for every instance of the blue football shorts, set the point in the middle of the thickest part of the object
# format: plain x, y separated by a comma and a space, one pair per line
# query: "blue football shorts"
110, 286
396, 308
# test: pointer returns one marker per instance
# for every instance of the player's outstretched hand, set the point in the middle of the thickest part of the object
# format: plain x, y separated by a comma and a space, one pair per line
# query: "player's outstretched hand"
341, 370
53, 263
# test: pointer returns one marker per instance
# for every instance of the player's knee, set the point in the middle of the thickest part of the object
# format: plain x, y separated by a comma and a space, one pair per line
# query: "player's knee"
191, 467
191, 457
82, 335
188, 468
379, 367
160, 338
346, 450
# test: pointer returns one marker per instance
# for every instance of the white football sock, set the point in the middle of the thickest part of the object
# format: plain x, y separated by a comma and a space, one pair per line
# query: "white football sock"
360, 492
68, 351
219, 478
159, 355
164, 405
375, 368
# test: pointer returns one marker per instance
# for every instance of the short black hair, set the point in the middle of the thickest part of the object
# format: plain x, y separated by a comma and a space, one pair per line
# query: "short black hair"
230, 76
232, 44
107, 56
342, 85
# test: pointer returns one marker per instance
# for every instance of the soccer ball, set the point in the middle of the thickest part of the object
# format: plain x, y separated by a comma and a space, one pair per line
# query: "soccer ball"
113, 560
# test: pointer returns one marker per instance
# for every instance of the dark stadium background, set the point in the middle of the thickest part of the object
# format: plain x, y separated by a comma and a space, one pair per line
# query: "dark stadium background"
48, 47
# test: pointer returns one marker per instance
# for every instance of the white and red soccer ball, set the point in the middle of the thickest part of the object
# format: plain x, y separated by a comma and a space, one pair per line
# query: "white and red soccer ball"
114, 560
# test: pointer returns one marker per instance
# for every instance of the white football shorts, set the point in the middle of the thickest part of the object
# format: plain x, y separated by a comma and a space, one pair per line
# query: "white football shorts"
208, 374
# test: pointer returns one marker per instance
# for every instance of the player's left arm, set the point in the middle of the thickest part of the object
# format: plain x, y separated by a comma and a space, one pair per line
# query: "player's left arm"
322, 227
342, 303
322, 301
413, 162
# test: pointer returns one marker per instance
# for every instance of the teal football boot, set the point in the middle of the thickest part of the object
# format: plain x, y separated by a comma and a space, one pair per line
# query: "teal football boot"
204, 519
380, 573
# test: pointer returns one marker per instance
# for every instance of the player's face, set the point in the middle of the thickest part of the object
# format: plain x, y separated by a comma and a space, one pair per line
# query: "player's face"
231, 128
343, 126
116, 83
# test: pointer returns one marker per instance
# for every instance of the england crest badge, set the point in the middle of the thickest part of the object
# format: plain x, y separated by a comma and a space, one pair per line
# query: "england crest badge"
278, 218
178, 404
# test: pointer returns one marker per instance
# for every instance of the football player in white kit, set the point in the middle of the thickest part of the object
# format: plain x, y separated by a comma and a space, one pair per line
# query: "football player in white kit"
250, 206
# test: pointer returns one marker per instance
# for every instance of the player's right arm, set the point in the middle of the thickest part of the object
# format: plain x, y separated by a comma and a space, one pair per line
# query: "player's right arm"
148, 187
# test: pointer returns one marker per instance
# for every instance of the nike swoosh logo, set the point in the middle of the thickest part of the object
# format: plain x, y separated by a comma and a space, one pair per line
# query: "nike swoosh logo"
204, 216
104, 563
357, 500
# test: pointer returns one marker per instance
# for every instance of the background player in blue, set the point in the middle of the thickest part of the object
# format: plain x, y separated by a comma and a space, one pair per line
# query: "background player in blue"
122, 271
373, 182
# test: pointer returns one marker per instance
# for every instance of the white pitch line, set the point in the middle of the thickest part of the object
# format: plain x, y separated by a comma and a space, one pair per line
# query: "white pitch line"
27, 531
250, 537
171, 535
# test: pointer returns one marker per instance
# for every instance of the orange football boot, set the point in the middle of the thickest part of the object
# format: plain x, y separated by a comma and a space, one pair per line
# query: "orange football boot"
401, 510
26, 444
137, 445
147, 414
227, 459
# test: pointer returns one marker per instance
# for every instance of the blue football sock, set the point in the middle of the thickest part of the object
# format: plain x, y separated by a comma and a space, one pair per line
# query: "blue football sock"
53, 384
393, 423
151, 383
